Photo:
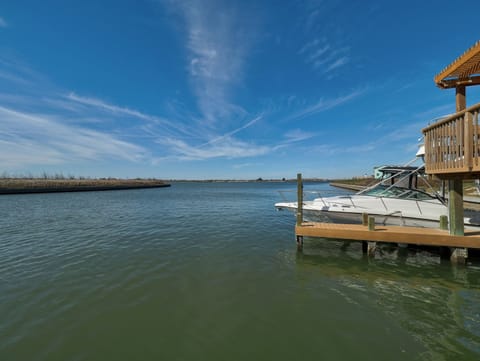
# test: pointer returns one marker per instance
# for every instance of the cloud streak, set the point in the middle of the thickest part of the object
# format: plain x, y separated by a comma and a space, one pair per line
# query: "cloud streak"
31, 139
323, 105
217, 44
298, 135
226, 148
3, 23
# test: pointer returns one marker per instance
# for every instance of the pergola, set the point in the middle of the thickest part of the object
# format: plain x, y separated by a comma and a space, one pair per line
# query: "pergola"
452, 144
463, 71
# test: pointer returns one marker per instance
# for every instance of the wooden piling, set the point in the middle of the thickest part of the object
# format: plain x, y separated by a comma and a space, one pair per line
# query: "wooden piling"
371, 223
444, 222
364, 247
455, 206
299, 209
365, 219
299, 243
459, 255
299, 199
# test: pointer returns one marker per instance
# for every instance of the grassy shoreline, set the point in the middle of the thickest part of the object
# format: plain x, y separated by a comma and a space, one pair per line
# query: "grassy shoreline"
37, 185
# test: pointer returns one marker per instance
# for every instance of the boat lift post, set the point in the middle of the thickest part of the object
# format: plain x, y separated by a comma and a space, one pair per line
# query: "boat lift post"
299, 209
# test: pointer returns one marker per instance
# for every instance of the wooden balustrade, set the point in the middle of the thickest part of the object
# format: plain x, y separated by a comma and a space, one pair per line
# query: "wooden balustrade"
452, 145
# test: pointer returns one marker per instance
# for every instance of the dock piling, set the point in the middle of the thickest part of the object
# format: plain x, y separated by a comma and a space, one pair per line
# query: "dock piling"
365, 219
459, 255
371, 223
444, 222
299, 199
299, 243
371, 248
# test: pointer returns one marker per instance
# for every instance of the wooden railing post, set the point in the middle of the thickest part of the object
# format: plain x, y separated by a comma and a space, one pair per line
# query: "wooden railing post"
468, 140
299, 199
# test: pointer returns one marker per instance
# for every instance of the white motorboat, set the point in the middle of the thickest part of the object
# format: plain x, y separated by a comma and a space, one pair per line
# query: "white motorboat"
397, 203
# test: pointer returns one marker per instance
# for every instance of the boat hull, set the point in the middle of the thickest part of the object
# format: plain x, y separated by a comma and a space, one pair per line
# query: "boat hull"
313, 213
329, 216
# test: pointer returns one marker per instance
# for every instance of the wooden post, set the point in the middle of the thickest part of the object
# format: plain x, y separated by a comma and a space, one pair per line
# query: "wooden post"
372, 247
455, 206
364, 246
299, 199
459, 255
299, 243
444, 222
468, 140
365, 219
371, 223
460, 98
455, 186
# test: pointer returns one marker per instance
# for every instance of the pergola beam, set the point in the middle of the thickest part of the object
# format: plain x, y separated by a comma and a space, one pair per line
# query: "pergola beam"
453, 83
462, 71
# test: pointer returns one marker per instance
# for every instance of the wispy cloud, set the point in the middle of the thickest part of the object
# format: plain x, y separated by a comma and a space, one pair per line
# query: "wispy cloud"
32, 139
217, 43
337, 63
246, 165
233, 132
323, 57
325, 49
65, 127
297, 135
110, 108
326, 104
3, 23
227, 148
334, 149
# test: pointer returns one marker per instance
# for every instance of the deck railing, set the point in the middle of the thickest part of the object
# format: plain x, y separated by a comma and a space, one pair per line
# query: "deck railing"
452, 145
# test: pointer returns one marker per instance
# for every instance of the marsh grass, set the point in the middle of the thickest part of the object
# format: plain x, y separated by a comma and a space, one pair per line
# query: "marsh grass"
30, 185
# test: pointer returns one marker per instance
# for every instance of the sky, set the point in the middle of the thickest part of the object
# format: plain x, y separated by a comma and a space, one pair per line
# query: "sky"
223, 89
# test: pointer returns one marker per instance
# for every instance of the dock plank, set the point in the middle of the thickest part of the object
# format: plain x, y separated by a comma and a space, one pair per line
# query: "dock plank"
389, 234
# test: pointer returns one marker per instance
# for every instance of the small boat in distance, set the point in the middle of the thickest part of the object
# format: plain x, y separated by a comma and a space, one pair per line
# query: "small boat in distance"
395, 200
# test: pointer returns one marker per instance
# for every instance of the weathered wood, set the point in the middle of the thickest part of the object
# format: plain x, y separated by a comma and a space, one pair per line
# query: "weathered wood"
390, 234
371, 223
364, 247
462, 70
371, 248
459, 255
444, 222
299, 199
452, 83
460, 98
299, 242
455, 206
365, 219
468, 139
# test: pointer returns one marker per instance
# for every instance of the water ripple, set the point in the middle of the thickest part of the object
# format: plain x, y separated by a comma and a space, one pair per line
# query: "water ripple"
185, 273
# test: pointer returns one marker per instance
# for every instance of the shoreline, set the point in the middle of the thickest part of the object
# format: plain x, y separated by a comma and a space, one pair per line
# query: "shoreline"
32, 186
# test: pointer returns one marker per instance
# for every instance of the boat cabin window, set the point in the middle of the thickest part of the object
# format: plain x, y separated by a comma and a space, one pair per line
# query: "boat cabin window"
399, 192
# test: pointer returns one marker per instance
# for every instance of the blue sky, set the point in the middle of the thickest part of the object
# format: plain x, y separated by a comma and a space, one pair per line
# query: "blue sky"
223, 89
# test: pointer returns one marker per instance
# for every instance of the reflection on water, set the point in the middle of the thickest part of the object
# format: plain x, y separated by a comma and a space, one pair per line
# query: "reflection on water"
434, 301
210, 271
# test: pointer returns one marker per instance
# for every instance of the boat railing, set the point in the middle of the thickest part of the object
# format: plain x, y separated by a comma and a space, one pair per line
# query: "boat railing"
394, 214
310, 195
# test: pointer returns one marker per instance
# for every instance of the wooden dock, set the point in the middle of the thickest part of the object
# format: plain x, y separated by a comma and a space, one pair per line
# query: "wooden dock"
389, 234
455, 245
452, 153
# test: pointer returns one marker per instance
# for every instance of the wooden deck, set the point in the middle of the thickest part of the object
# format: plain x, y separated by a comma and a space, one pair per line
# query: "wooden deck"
389, 234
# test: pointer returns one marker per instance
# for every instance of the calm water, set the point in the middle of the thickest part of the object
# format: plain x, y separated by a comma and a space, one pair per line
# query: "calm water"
210, 272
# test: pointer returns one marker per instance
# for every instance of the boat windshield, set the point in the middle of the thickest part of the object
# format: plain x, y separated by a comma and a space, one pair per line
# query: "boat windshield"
399, 192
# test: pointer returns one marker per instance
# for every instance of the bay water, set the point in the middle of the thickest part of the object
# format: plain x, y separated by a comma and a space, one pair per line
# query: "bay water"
210, 271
